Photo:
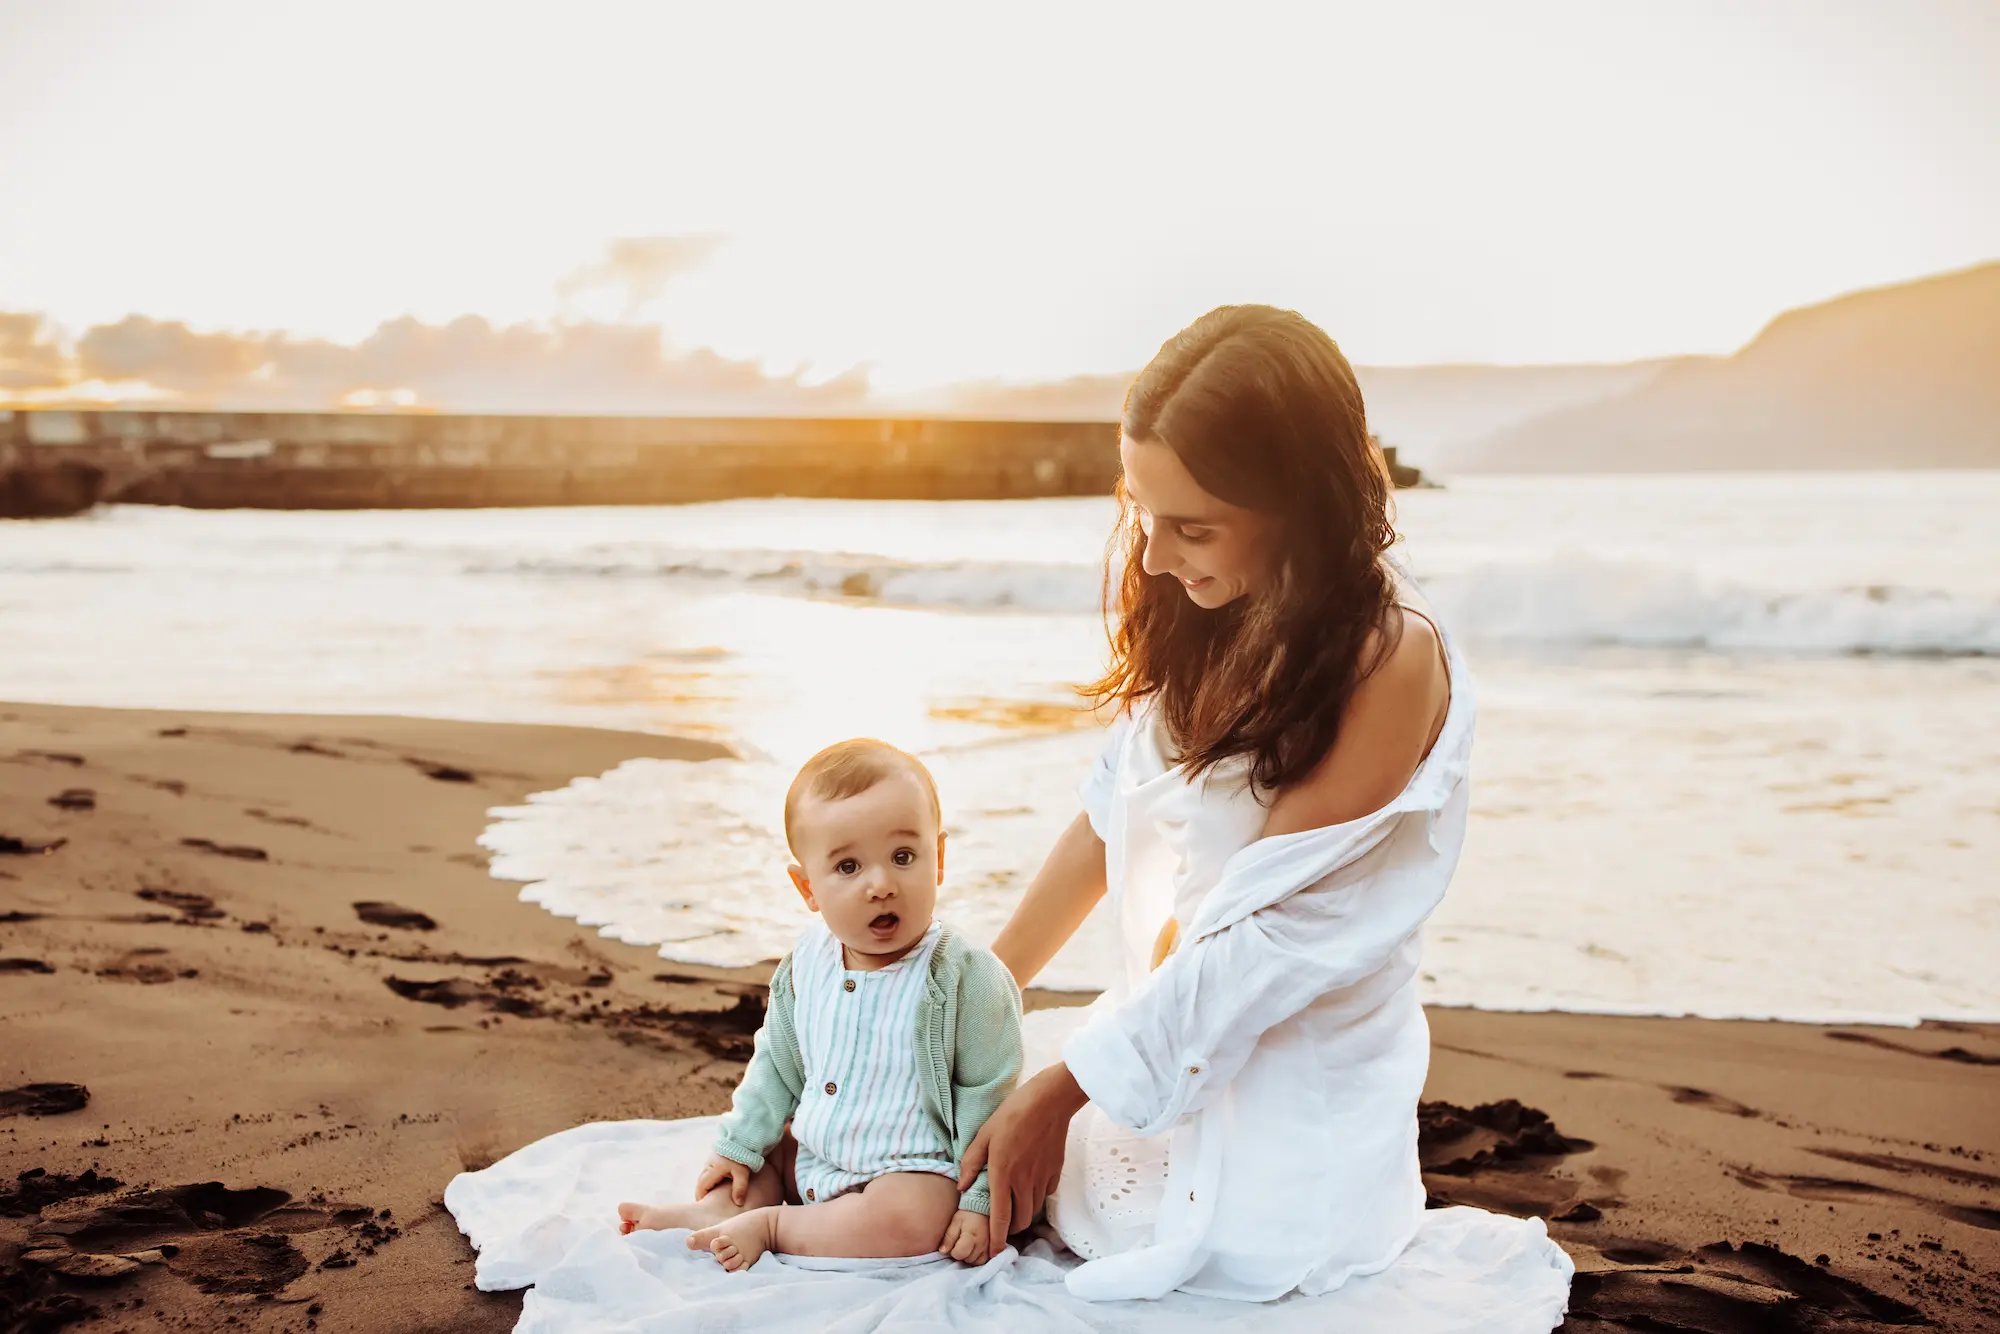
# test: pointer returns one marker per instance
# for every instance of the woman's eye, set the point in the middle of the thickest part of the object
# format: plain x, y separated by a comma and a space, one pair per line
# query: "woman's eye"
1194, 536
905, 857
848, 866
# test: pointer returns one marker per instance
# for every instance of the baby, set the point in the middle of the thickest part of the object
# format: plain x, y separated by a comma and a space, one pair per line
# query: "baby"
888, 1041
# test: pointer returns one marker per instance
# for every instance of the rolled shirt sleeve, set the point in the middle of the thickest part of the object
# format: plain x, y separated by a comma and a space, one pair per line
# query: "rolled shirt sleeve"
1188, 1030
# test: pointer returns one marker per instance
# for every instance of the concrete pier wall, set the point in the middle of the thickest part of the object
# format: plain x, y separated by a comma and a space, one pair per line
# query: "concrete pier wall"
287, 460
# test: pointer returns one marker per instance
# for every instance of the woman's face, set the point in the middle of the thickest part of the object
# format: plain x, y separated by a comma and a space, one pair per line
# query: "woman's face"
1218, 551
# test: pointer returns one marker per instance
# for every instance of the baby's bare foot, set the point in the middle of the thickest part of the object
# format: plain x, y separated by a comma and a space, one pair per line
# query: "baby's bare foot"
741, 1241
632, 1217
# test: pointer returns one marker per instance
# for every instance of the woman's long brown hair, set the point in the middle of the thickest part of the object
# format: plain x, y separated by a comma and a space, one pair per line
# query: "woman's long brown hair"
1263, 410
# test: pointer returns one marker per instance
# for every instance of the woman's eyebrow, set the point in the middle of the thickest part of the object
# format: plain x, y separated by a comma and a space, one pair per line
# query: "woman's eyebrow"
1165, 518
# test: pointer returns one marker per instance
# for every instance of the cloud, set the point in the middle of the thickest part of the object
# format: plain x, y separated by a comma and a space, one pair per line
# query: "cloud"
640, 267
29, 354
466, 365
167, 354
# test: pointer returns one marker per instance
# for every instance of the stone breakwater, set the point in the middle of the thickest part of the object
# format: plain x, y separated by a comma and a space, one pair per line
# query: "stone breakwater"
59, 461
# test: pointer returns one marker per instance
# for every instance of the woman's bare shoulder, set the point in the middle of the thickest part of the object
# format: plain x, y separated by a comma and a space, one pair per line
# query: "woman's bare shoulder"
1384, 734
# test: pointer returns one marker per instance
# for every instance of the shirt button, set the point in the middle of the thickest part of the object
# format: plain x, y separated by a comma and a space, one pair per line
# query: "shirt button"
831, 1088
1194, 1069
849, 984
809, 1193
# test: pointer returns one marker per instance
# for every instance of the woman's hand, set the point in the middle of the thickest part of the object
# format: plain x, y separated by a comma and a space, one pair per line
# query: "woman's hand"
1021, 1147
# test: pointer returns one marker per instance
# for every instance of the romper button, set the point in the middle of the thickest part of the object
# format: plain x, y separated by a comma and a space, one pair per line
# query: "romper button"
830, 1088
1190, 1197
849, 984
809, 1193
1194, 1069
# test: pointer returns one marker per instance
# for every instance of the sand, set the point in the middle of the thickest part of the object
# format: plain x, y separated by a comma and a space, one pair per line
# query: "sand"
261, 1001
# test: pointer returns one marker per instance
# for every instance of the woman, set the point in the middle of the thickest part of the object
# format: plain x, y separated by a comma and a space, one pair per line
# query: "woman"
1279, 805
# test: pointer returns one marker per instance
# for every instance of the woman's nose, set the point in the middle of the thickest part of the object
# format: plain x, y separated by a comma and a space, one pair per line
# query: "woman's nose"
1154, 559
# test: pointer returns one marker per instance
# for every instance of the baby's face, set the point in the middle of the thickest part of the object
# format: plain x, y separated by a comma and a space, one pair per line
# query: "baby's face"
871, 865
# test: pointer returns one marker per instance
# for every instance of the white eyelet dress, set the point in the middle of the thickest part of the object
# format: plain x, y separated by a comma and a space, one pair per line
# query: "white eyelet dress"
861, 1114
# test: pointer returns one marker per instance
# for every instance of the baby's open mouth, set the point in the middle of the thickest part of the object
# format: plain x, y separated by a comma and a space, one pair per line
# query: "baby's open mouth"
885, 924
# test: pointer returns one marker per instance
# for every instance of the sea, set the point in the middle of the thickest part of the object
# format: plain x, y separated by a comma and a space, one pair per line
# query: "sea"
1738, 748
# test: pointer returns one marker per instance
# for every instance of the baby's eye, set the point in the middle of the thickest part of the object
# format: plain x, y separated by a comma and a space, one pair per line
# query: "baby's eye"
905, 857
847, 866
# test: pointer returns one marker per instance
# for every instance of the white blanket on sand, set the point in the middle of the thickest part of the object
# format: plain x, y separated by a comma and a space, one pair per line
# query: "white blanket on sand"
546, 1216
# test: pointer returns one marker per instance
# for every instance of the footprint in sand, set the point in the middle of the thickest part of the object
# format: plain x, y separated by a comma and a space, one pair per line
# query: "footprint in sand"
1944, 1054
1727, 1287
388, 914
1456, 1141
241, 850
136, 966
452, 992
1836, 1188
192, 906
294, 821
443, 773
37, 1188
43, 1099
1491, 1156
53, 757
74, 799
1694, 1097
25, 966
219, 1239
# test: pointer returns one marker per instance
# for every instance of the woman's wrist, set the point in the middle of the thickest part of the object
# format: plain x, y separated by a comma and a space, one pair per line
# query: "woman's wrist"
1062, 1090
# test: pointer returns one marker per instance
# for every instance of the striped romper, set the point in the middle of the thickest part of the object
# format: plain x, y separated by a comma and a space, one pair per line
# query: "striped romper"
861, 1114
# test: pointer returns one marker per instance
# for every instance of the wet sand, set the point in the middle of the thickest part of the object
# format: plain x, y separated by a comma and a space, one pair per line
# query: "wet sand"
261, 1001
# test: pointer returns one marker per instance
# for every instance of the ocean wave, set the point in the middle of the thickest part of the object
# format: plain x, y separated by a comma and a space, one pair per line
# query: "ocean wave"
1594, 602
1569, 601
945, 585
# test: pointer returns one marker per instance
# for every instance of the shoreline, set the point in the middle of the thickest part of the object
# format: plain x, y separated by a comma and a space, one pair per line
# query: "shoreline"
264, 952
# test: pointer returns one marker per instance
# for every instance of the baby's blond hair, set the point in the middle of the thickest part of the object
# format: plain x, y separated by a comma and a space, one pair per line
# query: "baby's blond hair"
849, 768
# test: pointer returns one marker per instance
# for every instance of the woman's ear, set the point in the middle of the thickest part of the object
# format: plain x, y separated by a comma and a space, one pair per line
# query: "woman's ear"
803, 885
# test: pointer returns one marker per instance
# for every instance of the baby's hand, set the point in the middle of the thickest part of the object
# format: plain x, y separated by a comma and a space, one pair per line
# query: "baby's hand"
965, 1239
718, 1170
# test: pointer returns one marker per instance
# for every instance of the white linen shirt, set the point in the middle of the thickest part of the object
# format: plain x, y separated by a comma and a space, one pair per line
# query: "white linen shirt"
1281, 1045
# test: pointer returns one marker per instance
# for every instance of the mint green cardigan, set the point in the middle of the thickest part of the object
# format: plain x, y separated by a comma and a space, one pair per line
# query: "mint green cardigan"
968, 1038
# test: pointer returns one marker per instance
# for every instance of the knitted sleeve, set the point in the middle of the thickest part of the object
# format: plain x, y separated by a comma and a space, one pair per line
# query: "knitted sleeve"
986, 1058
771, 1085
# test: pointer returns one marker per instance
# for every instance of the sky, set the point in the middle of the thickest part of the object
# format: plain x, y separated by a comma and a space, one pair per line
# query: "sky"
940, 192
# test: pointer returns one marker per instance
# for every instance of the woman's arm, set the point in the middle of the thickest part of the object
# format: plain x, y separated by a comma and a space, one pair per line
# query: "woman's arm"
1060, 896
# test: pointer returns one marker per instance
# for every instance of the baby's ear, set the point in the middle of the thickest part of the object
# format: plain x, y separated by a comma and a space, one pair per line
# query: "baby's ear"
803, 885
940, 856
